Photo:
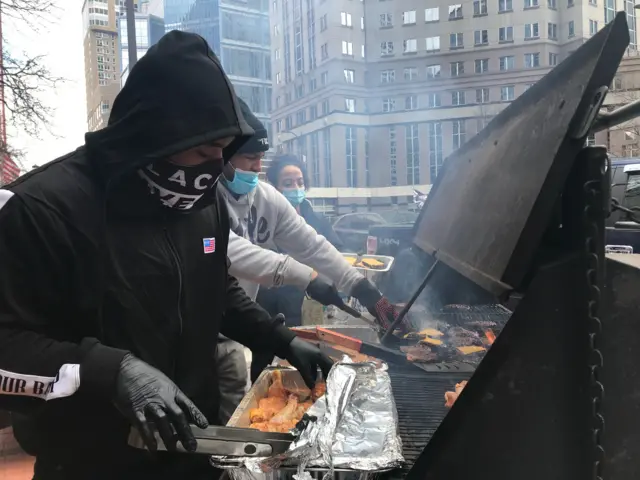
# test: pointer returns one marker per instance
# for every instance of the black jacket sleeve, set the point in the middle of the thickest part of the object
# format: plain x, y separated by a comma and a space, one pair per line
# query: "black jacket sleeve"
248, 323
41, 357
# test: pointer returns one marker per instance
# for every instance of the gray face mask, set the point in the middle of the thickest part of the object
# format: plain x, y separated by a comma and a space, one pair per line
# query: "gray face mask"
179, 187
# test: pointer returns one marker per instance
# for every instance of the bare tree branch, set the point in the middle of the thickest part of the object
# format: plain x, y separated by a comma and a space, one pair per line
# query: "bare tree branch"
25, 78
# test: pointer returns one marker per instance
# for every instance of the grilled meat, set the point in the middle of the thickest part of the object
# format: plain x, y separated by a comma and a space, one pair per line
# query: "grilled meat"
451, 397
460, 337
419, 354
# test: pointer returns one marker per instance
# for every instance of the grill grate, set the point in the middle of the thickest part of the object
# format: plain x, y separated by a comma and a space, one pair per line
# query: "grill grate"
419, 400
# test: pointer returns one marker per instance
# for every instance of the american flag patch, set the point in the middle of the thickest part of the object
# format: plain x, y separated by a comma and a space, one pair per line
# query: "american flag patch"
209, 245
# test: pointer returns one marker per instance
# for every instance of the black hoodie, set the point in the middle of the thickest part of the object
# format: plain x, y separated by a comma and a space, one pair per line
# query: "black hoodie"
91, 268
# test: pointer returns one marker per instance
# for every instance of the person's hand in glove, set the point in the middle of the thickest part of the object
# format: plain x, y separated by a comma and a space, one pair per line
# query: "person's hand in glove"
307, 358
324, 293
145, 394
370, 297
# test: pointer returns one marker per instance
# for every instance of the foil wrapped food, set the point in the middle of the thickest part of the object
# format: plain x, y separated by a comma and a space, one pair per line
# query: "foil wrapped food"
353, 426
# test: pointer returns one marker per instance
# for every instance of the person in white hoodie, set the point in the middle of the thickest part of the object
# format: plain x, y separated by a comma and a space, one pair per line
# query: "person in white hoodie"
264, 223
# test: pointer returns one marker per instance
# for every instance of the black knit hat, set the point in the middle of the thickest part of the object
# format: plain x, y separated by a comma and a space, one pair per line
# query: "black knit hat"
259, 142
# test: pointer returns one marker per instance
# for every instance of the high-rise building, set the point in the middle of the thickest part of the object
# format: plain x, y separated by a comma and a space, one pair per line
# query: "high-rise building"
101, 59
238, 32
379, 93
149, 29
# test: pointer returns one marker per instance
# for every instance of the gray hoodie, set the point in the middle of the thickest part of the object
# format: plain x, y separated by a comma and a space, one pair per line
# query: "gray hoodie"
263, 222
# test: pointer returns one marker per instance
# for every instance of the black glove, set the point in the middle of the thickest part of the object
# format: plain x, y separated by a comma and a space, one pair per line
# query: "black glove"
368, 295
324, 293
144, 394
260, 359
307, 358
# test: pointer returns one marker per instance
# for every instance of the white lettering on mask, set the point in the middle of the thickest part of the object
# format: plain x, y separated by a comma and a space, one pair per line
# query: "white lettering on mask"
197, 183
179, 178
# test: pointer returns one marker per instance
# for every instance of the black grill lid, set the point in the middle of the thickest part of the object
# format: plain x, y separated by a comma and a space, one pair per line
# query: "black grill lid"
489, 207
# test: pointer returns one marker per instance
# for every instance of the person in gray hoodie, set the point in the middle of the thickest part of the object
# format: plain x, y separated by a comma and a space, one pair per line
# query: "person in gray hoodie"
272, 245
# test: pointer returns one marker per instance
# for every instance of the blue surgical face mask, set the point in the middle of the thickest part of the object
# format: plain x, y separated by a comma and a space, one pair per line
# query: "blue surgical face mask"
243, 182
295, 196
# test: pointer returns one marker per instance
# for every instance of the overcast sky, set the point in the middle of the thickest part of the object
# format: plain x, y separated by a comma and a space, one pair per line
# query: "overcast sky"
61, 42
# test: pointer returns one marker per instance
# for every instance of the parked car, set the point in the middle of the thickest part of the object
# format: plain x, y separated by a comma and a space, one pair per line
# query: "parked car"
353, 229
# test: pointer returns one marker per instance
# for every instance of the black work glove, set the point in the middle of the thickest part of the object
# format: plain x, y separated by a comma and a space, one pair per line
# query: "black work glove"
260, 359
145, 394
322, 292
382, 310
307, 358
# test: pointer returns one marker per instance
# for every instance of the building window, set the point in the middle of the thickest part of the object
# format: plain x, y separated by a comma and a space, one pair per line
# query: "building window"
481, 37
482, 65
572, 29
288, 122
410, 74
299, 91
411, 102
324, 51
301, 117
609, 10
409, 17
479, 7
276, 54
350, 105
345, 19
278, 125
630, 150
530, 3
553, 59
347, 48
386, 20
457, 69
617, 84
459, 135
413, 154
386, 48
388, 105
531, 60
325, 107
278, 78
387, 76
362, 51
433, 100
435, 149
505, 6
326, 147
351, 142
507, 93
324, 78
507, 63
410, 45
505, 34
349, 75
531, 30
433, 71
433, 44
552, 31
456, 40
455, 12
552, 4
482, 95
593, 27
323, 22
432, 14
315, 159
313, 112
458, 98
313, 85
393, 155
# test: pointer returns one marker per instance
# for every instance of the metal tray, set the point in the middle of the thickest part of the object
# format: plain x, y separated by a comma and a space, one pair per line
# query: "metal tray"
387, 261
291, 379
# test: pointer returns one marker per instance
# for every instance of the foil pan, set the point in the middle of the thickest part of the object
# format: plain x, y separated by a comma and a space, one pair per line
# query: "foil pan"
353, 427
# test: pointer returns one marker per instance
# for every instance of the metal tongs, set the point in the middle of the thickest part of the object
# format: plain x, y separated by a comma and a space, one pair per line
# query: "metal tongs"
226, 441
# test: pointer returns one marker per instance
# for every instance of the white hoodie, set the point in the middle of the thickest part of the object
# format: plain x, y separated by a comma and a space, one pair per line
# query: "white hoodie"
264, 220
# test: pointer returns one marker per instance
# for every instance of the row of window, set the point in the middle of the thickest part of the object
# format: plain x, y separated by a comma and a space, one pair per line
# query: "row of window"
390, 104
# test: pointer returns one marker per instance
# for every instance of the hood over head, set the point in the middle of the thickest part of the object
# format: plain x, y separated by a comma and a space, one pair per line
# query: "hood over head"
259, 141
176, 97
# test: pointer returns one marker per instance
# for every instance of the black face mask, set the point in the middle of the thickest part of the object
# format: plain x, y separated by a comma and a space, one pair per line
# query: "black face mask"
179, 187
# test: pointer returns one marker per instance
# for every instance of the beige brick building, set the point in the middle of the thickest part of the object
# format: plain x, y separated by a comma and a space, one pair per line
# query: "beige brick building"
377, 93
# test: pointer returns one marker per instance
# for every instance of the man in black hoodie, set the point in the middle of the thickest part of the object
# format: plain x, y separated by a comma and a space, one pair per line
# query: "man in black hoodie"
114, 280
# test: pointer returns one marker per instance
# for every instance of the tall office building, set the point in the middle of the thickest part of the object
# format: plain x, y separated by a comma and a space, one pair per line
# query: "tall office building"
238, 32
149, 29
378, 93
101, 59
